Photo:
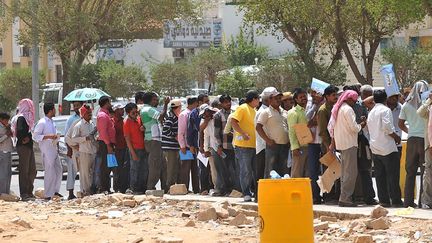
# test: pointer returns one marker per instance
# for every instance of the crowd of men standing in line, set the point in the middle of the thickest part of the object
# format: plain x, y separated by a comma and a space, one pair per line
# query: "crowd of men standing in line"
240, 147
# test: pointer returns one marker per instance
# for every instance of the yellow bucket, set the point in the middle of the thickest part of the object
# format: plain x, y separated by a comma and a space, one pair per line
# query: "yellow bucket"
285, 210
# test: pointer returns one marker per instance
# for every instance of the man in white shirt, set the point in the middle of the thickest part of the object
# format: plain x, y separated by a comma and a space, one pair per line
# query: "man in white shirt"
45, 134
345, 130
383, 140
83, 135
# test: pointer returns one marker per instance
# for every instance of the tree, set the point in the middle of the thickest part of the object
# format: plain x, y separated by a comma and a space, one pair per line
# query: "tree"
236, 84
410, 64
360, 25
13, 86
72, 28
290, 72
299, 23
207, 63
172, 79
122, 81
242, 50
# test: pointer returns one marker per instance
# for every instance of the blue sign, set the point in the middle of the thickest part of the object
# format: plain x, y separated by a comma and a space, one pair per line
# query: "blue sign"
319, 86
390, 83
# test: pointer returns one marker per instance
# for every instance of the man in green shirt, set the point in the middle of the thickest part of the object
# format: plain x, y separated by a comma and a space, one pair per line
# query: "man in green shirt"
297, 115
151, 118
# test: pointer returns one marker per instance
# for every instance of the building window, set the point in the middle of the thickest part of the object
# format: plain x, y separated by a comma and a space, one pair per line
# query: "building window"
414, 42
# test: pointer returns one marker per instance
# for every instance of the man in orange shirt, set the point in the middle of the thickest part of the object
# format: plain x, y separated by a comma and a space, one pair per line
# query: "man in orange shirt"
138, 156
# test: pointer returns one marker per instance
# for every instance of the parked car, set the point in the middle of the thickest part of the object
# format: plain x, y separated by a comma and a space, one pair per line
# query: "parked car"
60, 123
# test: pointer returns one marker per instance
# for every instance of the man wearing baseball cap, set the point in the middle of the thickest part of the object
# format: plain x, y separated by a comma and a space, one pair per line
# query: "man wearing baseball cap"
273, 131
121, 173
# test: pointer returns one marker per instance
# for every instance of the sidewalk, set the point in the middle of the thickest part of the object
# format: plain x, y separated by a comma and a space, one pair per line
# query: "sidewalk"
340, 212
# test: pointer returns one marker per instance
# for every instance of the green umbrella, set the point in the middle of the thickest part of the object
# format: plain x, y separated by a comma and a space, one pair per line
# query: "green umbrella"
85, 94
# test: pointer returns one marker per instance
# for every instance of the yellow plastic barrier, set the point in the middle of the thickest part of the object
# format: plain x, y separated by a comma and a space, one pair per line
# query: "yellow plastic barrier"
285, 209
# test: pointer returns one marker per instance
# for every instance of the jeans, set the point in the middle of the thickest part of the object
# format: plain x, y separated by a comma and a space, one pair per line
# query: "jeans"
276, 158
121, 172
387, 172
5, 172
246, 161
226, 173
314, 167
139, 171
204, 176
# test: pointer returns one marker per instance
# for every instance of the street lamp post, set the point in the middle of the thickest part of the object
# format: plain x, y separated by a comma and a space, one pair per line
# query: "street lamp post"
35, 62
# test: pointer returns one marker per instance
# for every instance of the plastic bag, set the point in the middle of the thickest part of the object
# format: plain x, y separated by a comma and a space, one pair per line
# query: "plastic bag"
111, 161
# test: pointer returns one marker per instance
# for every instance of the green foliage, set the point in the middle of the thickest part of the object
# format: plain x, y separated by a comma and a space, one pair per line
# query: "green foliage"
122, 81
410, 64
290, 73
236, 84
88, 75
207, 63
14, 86
242, 50
172, 79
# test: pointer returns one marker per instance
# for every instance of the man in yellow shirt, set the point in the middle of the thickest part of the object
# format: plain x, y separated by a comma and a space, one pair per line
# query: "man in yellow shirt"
244, 141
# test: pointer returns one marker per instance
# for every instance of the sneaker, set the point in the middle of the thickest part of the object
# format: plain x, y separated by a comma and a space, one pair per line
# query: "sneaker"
425, 206
129, 192
247, 198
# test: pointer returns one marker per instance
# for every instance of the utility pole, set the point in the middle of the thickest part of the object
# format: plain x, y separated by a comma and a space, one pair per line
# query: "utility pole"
35, 61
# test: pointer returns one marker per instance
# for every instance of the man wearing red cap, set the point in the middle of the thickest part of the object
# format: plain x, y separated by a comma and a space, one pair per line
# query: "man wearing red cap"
83, 135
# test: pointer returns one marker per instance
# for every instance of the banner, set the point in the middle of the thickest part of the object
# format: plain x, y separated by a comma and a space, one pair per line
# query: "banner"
319, 86
390, 83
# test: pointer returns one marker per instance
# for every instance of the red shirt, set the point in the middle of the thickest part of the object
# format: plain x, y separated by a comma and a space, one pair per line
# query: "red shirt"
105, 127
120, 140
131, 129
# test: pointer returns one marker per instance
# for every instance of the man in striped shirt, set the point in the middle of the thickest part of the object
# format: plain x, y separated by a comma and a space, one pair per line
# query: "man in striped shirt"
170, 145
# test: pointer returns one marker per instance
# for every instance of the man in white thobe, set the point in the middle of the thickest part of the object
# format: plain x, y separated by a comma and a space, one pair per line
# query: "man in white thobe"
45, 134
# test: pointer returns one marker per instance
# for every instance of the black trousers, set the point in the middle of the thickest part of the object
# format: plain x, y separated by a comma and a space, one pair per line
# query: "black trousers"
387, 173
121, 173
259, 170
364, 166
105, 171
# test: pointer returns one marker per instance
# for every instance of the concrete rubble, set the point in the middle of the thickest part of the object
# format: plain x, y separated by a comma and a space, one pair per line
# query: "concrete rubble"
178, 189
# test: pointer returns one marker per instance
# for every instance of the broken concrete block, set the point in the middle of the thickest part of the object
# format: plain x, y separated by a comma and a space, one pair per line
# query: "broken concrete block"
240, 219
379, 212
21, 222
232, 212
236, 194
363, 239
321, 226
191, 223
328, 219
140, 199
225, 204
249, 213
155, 193
169, 240
129, 203
178, 189
102, 217
379, 224
222, 213
9, 197
39, 193
208, 214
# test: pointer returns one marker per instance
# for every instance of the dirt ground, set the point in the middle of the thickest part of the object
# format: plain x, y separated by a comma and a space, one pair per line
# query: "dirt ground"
123, 218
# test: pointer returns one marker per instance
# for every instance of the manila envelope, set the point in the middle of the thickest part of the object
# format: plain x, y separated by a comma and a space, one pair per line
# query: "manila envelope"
332, 173
303, 133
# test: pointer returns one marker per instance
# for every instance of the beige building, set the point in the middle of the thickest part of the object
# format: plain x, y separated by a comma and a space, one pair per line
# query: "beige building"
416, 35
14, 55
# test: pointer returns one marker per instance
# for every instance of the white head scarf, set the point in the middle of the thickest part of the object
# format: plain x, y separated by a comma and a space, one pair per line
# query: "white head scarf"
414, 97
